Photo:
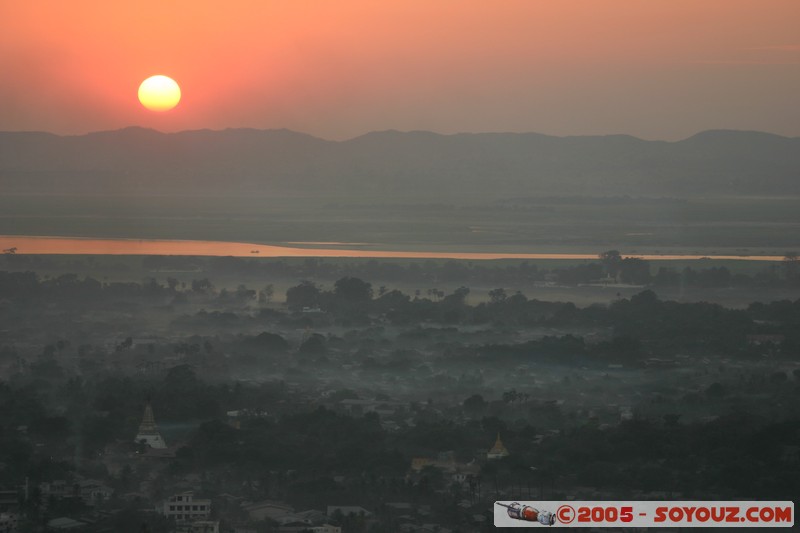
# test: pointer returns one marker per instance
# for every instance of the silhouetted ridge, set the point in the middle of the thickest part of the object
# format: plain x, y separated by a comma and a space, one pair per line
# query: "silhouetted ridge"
395, 163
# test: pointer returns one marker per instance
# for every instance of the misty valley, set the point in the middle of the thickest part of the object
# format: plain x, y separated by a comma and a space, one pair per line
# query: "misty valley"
371, 395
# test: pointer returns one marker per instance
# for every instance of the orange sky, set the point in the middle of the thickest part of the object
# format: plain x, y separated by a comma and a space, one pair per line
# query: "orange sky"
338, 68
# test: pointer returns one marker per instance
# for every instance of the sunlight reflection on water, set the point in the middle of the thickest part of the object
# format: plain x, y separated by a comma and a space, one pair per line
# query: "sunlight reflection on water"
87, 246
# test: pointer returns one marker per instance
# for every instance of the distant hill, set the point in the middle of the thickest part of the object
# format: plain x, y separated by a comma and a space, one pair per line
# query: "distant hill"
413, 164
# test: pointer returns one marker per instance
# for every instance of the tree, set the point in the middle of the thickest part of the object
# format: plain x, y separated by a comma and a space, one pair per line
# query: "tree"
667, 277
475, 404
202, 286
778, 377
716, 390
244, 294
343, 394
458, 297
181, 377
644, 299
392, 301
436, 294
314, 345
623, 349
497, 296
352, 289
611, 261
791, 264
51, 429
271, 342
266, 294
633, 270
307, 294
511, 396
125, 344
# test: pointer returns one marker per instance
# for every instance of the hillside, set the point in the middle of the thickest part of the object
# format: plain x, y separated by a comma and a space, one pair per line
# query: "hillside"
412, 164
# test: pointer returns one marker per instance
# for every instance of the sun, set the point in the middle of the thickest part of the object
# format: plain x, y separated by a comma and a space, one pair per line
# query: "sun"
159, 93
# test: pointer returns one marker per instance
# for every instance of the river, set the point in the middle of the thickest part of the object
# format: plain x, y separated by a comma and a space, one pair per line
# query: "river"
89, 246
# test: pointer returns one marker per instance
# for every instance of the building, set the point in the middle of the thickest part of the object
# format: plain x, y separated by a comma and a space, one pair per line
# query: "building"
347, 510
300, 528
444, 461
185, 507
57, 490
93, 492
268, 510
9, 500
758, 340
357, 407
498, 451
464, 473
65, 523
8, 522
199, 526
148, 431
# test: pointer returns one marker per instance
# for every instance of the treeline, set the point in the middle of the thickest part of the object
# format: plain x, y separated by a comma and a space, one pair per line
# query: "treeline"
643, 315
353, 301
610, 267
29, 287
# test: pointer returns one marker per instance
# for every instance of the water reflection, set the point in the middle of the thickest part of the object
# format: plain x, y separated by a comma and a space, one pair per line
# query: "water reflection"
86, 246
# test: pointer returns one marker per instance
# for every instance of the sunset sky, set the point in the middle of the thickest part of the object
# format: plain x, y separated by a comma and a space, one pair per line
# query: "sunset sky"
657, 69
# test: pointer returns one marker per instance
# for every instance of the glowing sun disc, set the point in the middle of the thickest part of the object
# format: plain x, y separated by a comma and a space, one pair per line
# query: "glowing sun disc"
159, 93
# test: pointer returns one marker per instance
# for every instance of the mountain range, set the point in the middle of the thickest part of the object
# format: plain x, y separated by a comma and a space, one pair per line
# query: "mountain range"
397, 164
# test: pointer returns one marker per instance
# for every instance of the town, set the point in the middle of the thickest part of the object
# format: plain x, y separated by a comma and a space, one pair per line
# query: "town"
173, 405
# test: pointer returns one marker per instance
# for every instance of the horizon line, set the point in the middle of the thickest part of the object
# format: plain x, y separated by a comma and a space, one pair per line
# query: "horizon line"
392, 130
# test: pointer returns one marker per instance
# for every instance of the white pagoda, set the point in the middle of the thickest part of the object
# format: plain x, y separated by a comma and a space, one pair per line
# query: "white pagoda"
148, 431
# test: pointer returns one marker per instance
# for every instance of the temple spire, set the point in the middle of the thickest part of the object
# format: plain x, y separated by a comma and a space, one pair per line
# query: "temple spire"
148, 424
148, 430
498, 451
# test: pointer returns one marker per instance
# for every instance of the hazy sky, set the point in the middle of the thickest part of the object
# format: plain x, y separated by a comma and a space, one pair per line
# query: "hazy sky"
658, 69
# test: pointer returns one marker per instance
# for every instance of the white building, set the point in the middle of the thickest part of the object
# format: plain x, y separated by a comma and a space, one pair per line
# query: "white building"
185, 507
